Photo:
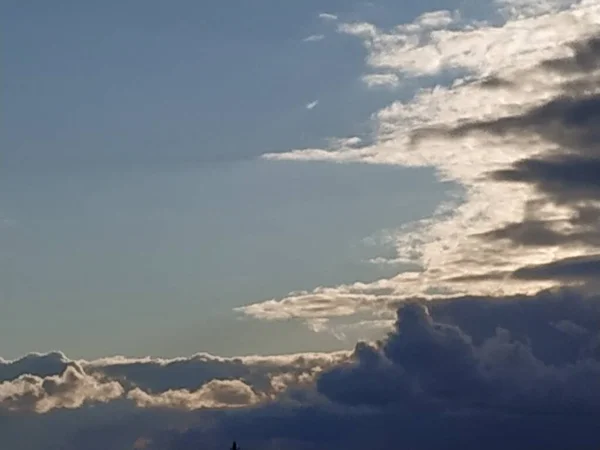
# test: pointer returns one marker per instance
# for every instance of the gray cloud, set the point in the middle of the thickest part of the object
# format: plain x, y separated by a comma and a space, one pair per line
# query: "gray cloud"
438, 365
518, 372
44, 382
191, 373
41, 365
566, 174
585, 58
580, 268
451, 375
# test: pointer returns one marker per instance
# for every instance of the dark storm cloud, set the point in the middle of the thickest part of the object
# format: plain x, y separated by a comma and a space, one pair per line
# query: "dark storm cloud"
468, 373
431, 363
531, 319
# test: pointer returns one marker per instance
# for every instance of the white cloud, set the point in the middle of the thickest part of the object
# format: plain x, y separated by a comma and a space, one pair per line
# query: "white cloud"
214, 394
270, 362
312, 105
314, 38
360, 29
436, 19
341, 331
328, 16
43, 382
71, 389
381, 79
444, 246
417, 50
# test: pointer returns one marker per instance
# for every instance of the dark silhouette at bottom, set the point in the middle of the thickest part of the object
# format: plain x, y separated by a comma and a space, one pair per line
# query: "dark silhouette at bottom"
235, 446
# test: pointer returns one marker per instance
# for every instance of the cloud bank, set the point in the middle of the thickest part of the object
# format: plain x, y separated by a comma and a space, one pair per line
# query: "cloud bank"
514, 372
511, 372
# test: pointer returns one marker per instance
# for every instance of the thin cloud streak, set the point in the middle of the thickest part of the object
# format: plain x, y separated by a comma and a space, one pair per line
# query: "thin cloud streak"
328, 17
312, 105
314, 38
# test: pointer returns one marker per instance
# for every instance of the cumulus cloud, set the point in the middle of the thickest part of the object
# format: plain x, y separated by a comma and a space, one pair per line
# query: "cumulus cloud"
43, 382
470, 364
214, 394
72, 389
502, 366
464, 372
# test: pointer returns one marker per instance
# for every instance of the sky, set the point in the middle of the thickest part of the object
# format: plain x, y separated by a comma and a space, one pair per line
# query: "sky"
300, 225
133, 193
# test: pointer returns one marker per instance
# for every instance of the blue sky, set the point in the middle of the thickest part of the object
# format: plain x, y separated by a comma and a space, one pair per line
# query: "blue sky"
133, 196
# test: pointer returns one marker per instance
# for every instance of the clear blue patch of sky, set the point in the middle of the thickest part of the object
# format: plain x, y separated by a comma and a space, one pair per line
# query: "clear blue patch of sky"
160, 83
143, 252
135, 214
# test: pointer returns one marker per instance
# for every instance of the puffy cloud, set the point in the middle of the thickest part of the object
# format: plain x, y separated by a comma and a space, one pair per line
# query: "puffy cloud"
465, 372
214, 394
459, 366
72, 389
43, 382
505, 365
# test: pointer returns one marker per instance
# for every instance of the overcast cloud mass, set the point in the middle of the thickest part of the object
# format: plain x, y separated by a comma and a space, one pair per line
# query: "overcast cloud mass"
493, 338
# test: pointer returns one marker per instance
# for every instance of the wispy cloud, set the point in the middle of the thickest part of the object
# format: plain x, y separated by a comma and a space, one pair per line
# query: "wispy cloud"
328, 16
312, 105
314, 38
